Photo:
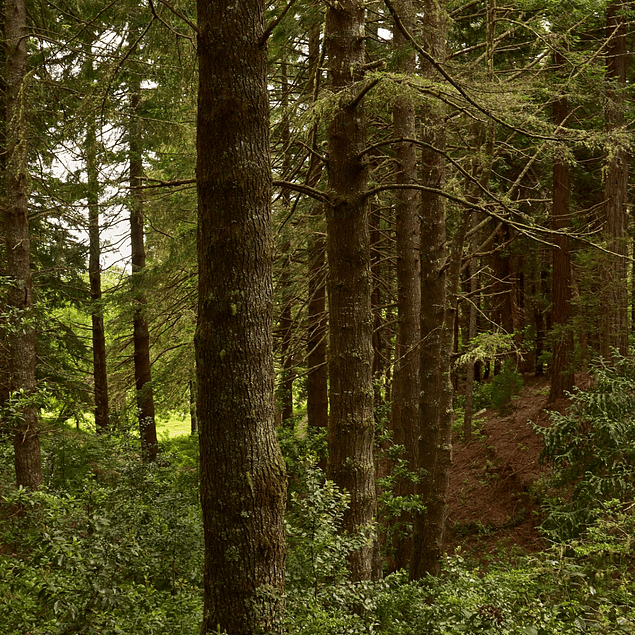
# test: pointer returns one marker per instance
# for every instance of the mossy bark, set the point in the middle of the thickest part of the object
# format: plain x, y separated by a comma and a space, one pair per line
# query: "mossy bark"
243, 481
351, 421
15, 213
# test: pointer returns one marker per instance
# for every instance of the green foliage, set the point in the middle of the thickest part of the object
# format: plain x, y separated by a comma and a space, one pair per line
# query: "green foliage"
112, 546
591, 449
498, 393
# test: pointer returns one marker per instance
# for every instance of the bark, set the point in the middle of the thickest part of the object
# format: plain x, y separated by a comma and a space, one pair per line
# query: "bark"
472, 328
94, 275
15, 211
376, 297
5, 387
243, 481
317, 377
193, 415
562, 377
405, 393
616, 184
351, 425
141, 335
434, 355
286, 319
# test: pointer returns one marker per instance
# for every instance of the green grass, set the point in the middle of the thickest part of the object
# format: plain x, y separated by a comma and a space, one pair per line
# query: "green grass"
173, 424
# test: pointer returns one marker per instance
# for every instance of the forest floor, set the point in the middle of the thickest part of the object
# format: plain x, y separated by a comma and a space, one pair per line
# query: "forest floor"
495, 485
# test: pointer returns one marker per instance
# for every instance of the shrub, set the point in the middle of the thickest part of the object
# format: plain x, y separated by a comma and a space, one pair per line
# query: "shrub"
591, 450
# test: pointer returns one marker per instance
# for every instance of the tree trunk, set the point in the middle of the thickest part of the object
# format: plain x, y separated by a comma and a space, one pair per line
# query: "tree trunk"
405, 390
21, 336
94, 275
616, 184
434, 369
285, 390
243, 482
141, 336
193, 415
351, 423
317, 407
562, 377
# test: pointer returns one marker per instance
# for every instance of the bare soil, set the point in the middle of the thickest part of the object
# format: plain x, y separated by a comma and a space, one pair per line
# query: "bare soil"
494, 499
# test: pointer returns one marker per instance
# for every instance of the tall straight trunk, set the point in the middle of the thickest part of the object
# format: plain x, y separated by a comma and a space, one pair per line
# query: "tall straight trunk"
616, 184
317, 406
434, 354
376, 300
562, 377
141, 335
5, 388
243, 481
472, 328
481, 167
351, 425
286, 316
15, 212
94, 275
405, 387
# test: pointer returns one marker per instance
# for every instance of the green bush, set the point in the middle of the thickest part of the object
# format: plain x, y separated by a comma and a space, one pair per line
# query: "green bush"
119, 552
498, 393
591, 450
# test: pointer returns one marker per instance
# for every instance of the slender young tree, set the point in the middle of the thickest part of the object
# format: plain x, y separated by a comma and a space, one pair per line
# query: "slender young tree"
94, 275
141, 335
351, 422
317, 406
562, 376
243, 482
15, 212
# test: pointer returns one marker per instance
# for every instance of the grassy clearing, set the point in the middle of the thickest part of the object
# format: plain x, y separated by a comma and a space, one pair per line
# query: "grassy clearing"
173, 424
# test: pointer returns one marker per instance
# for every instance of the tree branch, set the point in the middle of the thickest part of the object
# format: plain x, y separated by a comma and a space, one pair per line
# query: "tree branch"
355, 101
399, 24
303, 189
178, 14
265, 36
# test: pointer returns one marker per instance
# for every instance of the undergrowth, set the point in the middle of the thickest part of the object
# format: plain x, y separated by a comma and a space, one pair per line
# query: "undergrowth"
114, 546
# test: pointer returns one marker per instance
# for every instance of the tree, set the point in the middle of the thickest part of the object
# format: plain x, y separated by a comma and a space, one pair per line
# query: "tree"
616, 326
405, 393
351, 420
94, 271
317, 378
15, 212
562, 376
243, 483
141, 335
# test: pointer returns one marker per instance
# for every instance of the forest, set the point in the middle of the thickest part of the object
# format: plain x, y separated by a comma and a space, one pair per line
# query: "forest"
293, 294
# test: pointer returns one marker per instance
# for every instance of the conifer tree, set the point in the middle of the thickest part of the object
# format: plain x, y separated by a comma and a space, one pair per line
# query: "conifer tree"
15, 213
243, 483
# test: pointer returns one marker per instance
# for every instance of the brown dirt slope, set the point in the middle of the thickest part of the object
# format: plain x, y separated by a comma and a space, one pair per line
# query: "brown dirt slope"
491, 502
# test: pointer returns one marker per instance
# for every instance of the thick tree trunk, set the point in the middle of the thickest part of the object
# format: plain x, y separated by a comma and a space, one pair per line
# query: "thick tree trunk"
405, 392
562, 376
616, 184
141, 335
94, 275
351, 422
434, 369
15, 211
243, 482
